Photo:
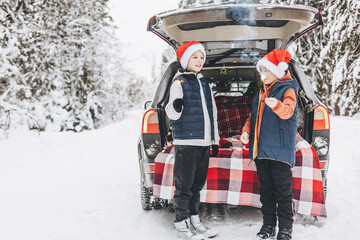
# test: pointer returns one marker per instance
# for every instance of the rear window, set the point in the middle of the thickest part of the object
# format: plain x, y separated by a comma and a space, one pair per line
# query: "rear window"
233, 82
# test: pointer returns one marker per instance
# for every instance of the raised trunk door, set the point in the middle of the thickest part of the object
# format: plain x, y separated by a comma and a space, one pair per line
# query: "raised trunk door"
228, 23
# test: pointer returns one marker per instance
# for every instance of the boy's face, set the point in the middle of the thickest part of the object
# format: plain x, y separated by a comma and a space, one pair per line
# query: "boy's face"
267, 76
196, 62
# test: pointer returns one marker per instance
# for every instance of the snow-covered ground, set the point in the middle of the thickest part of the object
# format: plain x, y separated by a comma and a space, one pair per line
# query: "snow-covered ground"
67, 186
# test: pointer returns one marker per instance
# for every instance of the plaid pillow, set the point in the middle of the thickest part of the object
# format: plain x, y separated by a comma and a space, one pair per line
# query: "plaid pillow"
232, 114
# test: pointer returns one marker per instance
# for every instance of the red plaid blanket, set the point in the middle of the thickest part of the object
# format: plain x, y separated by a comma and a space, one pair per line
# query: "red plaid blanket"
232, 114
232, 177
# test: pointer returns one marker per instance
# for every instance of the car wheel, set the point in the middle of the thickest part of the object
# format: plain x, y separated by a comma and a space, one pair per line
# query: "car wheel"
159, 203
145, 196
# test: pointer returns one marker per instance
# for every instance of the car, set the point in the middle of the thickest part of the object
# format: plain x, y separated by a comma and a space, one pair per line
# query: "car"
235, 37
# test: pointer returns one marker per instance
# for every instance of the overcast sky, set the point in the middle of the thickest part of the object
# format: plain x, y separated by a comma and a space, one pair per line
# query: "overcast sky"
132, 17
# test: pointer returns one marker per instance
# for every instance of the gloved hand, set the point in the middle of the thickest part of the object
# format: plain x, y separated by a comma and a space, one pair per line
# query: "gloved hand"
215, 150
244, 138
178, 103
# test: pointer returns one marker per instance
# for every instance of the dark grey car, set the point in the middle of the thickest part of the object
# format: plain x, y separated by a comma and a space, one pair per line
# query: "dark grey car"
235, 37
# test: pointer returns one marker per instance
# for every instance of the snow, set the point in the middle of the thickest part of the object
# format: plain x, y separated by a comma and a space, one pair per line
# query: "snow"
75, 186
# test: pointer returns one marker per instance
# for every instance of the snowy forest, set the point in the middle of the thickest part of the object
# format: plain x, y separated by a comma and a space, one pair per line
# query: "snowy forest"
62, 68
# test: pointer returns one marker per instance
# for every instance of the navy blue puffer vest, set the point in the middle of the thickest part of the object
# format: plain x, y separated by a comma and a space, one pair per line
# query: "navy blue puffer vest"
277, 136
191, 123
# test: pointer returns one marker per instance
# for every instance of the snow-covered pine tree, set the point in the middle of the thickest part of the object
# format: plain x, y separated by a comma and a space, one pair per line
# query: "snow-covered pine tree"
188, 3
343, 54
60, 66
79, 62
15, 94
330, 54
100, 88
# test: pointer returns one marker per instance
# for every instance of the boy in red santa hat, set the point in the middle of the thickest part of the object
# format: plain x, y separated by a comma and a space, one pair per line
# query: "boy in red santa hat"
270, 131
193, 113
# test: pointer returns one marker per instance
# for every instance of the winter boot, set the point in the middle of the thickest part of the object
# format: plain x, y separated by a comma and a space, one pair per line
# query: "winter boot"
184, 233
266, 232
284, 234
201, 228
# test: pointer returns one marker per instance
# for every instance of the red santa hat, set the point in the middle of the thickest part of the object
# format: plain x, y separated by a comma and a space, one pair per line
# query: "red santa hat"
185, 51
276, 61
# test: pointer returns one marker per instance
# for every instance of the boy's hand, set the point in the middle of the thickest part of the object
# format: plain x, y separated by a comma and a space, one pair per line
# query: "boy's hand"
215, 150
244, 138
178, 103
271, 102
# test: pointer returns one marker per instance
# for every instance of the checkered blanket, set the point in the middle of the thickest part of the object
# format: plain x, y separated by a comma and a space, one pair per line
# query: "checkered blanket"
232, 177
232, 114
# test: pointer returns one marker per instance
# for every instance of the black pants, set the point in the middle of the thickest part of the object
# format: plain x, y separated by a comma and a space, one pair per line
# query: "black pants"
275, 192
190, 171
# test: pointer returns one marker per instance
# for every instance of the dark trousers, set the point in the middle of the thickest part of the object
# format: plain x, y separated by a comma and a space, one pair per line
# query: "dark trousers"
190, 171
275, 192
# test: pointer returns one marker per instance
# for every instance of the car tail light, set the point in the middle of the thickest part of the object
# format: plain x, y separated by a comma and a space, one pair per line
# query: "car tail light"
150, 122
149, 167
321, 118
323, 164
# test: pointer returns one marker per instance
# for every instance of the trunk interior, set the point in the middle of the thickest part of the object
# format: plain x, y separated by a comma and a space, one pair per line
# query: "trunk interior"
234, 89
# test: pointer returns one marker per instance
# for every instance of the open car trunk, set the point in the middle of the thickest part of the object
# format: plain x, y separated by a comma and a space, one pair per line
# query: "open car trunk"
236, 28
235, 37
232, 177
234, 89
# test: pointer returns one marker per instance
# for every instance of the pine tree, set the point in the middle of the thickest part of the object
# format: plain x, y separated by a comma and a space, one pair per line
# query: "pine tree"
188, 3
58, 67
15, 92
330, 54
343, 51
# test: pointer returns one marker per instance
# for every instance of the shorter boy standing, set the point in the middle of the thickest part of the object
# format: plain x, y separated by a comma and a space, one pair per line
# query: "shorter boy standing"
272, 128
193, 115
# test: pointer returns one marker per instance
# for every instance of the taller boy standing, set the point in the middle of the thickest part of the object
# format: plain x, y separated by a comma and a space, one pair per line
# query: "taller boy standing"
272, 127
193, 115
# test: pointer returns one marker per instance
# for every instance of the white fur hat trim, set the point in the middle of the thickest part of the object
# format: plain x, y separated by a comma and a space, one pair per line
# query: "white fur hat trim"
189, 51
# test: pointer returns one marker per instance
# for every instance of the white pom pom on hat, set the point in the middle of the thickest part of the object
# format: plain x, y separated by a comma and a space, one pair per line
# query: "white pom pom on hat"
276, 61
283, 66
185, 51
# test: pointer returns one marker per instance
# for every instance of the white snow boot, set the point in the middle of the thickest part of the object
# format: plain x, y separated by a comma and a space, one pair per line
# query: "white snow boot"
201, 228
184, 233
